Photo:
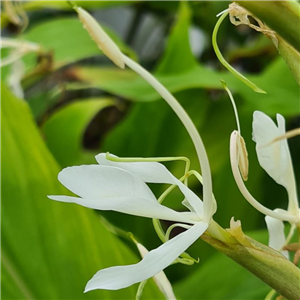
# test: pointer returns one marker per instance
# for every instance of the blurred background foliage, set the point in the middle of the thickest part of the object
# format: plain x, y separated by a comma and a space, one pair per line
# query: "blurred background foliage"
76, 103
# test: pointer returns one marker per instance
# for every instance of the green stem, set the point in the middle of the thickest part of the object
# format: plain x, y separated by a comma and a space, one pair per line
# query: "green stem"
281, 16
264, 262
291, 57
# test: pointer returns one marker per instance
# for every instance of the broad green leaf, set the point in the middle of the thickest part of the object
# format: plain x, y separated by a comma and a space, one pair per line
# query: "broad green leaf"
49, 249
33, 5
221, 278
64, 130
68, 41
178, 56
29, 6
282, 90
127, 84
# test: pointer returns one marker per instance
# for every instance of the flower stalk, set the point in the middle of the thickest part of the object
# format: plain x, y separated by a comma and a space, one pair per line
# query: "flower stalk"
121, 185
262, 261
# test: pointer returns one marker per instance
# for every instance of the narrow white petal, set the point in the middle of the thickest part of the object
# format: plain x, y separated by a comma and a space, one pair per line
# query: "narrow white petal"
119, 277
160, 278
94, 182
129, 205
276, 234
275, 159
154, 172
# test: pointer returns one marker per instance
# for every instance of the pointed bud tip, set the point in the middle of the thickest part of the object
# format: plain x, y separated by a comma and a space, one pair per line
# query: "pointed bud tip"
100, 37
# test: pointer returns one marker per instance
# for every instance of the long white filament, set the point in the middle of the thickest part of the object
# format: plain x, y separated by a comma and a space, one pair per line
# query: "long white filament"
114, 53
191, 129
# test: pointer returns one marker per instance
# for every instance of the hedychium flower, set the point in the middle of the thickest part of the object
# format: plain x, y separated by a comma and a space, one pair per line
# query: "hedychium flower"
238, 16
19, 49
120, 184
274, 157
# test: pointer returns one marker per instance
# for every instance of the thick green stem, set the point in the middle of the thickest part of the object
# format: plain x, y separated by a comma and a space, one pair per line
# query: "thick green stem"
291, 57
281, 16
265, 263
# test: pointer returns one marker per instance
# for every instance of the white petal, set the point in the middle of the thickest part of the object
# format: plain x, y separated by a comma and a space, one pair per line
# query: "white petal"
154, 172
119, 277
276, 234
129, 205
151, 172
94, 182
160, 278
275, 158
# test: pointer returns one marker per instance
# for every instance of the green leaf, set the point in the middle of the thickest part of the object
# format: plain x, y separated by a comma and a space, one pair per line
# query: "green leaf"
222, 278
178, 56
282, 90
49, 249
68, 41
34, 5
128, 84
64, 130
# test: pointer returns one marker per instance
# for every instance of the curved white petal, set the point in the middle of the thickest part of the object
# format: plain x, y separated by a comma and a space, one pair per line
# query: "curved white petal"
154, 172
275, 158
276, 235
129, 205
94, 182
119, 277
160, 278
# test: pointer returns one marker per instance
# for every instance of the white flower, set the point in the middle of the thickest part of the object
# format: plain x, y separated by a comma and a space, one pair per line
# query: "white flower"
121, 186
274, 157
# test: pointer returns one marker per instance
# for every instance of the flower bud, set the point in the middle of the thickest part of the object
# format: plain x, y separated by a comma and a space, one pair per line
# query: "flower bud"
104, 42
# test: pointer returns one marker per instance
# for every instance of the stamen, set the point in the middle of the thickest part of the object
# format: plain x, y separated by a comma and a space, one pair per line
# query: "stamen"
240, 183
233, 105
243, 158
241, 145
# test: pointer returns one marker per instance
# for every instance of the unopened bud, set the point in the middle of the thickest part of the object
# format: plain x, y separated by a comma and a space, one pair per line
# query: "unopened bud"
104, 42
